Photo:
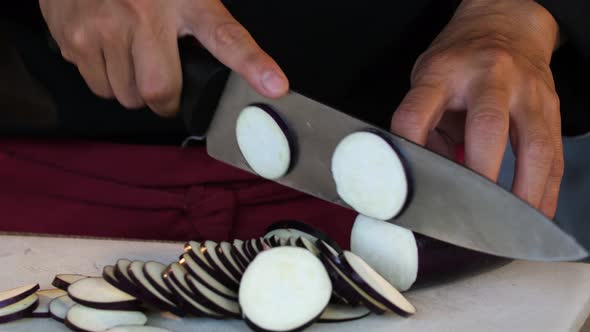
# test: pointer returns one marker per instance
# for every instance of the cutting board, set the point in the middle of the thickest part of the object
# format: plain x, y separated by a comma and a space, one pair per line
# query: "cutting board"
520, 296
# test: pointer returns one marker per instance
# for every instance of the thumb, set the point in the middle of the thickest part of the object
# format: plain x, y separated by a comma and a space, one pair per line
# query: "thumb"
227, 40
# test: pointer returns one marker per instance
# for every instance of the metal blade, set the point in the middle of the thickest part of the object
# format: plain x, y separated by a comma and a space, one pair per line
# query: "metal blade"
449, 202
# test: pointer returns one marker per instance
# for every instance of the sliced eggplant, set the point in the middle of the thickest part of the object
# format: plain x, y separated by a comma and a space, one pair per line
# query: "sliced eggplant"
63, 281
279, 234
17, 294
99, 294
20, 309
273, 240
199, 257
212, 300
293, 241
369, 175
148, 293
328, 250
335, 313
349, 289
175, 277
126, 284
108, 274
264, 141
303, 242
298, 228
58, 307
85, 319
390, 249
284, 289
45, 297
375, 285
237, 252
208, 250
224, 253
249, 251
137, 328
198, 273
153, 271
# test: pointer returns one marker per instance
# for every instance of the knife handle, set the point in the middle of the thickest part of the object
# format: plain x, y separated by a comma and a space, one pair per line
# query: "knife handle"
204, 79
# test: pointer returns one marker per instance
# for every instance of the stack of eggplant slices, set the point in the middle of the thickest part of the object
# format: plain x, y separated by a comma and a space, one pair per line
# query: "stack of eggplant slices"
291, 277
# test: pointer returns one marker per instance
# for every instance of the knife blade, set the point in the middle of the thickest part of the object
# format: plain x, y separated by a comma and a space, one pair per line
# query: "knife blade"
449, 202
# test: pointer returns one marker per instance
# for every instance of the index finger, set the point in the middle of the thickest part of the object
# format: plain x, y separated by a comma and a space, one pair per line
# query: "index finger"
227, 40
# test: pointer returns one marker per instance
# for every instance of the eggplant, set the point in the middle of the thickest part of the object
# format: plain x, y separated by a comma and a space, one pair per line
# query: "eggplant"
303, 242
15, 295
204, 277
370, 175
58, 307
175, 277
237, 252
197, 254
150, 294
99, 294
288, 228
373, 284
224, 254
85, 319
20, 309
409, 260
335, 313
265, 141
45, 297
153, 271
125, 283
212, 300
284, 289
63, 281
208, 250
108, 274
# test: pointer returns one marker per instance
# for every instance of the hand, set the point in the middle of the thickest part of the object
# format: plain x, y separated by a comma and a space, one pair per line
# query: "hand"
128, 48
492, 61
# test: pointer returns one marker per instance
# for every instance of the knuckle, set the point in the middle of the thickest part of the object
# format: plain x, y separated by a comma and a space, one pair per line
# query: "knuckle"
496, 58
229, 35
429, 66
108, 28
159, 97
78, 38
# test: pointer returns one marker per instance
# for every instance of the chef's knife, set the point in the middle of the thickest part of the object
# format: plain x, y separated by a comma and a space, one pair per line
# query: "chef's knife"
449, 202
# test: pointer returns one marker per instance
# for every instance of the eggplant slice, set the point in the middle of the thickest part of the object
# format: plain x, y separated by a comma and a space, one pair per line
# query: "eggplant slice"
298, 228
58, 308
204, 277
86, 319
335, 313
63, 281
370, 175
45, 297
99, 294
264, 141
20, 309
17, 294
275, 300
148, 293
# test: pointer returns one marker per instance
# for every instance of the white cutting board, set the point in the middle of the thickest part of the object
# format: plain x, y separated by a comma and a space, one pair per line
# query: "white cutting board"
521, 296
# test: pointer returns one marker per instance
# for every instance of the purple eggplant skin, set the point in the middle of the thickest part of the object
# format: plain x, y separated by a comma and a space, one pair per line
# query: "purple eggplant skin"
197, 277
146, 296
165, 292
124, 284
220, 275
185, 305
204, 265
441, 262
209, 267
133, 305
60, 284
205, 302
114, 282
305, 228
228, 265
285, 128
341, 286
19, 297
26, 313
241, 260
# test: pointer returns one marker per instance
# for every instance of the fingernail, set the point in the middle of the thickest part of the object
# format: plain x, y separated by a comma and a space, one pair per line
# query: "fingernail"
273, 82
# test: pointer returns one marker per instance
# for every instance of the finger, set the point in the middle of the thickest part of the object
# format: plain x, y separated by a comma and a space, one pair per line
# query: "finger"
233, 45
486, 126
534, 151
84, 50
550, 197
119, 67
419, 112
157, 69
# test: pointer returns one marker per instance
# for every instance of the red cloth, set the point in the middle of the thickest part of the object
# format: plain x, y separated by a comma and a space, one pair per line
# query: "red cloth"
148, 192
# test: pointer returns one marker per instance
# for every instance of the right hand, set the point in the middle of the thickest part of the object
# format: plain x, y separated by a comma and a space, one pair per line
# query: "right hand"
127, 49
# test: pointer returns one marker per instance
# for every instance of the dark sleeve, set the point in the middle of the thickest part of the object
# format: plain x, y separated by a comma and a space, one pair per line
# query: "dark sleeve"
574, 23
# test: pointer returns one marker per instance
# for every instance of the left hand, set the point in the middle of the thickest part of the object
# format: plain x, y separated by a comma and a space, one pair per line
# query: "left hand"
492, 61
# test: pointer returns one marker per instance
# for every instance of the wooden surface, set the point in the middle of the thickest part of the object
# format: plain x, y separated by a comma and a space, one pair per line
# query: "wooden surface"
521, 296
